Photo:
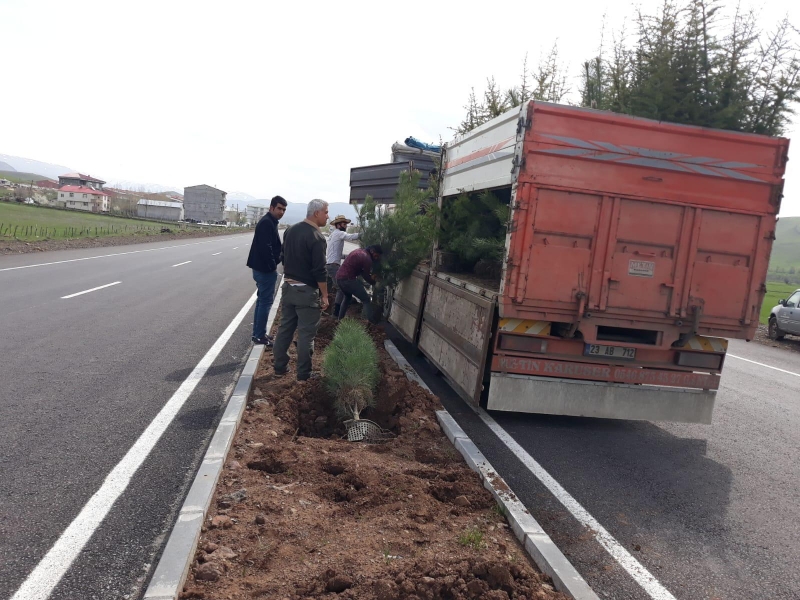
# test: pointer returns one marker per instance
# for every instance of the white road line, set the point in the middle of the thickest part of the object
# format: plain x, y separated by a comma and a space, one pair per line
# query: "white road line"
236, 248
763, 365
642, 576
44, 578
94, 289
183, 263
215, 253
59, 262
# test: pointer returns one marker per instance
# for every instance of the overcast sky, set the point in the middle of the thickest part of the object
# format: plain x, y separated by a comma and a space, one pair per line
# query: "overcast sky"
272, 98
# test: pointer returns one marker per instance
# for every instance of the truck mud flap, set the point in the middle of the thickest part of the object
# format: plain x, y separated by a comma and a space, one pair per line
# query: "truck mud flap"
455, 335
407, 301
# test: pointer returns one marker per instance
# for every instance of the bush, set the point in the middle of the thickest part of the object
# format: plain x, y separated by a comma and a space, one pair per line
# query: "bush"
406, 233
350, 369
474, 228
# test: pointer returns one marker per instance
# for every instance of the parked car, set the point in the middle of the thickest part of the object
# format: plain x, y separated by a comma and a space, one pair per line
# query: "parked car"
785, 317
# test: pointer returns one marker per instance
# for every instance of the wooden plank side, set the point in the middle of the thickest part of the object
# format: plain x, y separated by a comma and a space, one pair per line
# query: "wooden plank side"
458, 369
404, 321
455, 334
407, 301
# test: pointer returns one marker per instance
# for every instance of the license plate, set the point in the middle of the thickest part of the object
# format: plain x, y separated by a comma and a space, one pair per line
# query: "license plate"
609, 351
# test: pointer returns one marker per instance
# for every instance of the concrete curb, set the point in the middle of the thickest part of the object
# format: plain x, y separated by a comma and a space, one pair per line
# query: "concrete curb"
536, 542
173, 566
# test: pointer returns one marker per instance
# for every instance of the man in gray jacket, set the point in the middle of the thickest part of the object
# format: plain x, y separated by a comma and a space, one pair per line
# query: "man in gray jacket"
304, 291
336, 241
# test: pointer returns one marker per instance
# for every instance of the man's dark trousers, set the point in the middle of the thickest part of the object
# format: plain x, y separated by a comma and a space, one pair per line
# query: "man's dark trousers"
350, 288
265, 283
300, 310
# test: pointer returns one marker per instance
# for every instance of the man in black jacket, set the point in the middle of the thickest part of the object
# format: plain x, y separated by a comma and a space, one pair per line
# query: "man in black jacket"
265, 254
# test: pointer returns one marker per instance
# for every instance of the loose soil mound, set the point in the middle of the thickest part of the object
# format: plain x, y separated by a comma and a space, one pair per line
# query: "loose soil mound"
301, 513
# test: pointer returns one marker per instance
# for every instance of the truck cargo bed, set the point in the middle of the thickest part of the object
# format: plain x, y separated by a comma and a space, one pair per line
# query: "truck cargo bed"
621, 222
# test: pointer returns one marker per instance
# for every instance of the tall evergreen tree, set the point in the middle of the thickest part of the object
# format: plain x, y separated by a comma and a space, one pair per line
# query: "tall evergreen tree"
686, 63
682, 67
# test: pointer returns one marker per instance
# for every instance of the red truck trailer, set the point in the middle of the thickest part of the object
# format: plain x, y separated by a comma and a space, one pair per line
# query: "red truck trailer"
633, 250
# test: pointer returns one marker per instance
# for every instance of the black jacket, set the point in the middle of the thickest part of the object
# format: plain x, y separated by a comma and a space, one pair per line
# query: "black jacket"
265, 251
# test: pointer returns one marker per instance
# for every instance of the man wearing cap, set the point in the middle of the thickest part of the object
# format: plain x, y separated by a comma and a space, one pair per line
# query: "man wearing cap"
333, 259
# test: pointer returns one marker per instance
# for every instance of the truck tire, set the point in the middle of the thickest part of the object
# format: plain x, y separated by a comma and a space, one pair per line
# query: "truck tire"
774, 332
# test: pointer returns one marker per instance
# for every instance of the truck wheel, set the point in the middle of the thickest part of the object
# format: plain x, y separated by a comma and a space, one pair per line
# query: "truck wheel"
774, 332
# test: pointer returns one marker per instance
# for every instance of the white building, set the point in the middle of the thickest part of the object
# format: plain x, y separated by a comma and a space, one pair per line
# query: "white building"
82, 192
160, 210
255, 212
83, 198
232, 216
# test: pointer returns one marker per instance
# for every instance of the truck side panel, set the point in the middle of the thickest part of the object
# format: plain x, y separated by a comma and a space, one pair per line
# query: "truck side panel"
407, 301
456, 332
482, 158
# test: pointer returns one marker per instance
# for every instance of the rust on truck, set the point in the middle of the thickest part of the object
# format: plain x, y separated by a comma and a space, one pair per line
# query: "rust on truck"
633, 249
626, 222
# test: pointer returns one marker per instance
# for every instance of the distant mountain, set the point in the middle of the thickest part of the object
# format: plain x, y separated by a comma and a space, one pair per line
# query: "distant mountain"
241, 198
38, 167
786, 247
4, 166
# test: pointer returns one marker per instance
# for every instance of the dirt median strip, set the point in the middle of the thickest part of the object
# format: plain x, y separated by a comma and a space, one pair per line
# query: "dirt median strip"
259, 528
299, 512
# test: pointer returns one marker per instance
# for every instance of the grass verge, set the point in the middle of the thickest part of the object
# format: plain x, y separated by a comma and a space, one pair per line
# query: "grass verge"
775, 293
33, 223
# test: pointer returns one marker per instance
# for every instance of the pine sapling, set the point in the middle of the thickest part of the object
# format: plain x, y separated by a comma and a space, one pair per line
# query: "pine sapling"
350, 369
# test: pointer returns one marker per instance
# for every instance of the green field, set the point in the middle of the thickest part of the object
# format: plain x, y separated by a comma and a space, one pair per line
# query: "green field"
775, 292
786, 248
30, 223
18, 177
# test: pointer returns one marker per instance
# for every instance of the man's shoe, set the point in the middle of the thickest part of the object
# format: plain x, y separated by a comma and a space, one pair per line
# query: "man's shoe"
266, 341
280, 373
312, 375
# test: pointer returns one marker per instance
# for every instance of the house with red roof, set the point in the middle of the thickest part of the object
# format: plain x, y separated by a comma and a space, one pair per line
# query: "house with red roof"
47, 183
82, 192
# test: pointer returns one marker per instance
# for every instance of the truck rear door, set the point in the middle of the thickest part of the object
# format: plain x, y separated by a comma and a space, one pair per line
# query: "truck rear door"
641, 222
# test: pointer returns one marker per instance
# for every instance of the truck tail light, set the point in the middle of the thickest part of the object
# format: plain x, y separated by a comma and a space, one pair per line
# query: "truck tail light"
700, 360
522, 343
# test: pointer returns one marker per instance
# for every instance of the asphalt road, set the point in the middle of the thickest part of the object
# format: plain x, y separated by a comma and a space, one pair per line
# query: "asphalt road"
711, 511
83, 377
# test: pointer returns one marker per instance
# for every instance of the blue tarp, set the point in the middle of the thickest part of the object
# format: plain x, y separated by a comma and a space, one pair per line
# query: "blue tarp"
415, 143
